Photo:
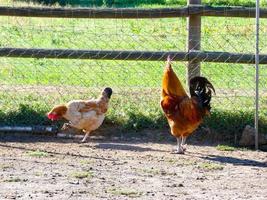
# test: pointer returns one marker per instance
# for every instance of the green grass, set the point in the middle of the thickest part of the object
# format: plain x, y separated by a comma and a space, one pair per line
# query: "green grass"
30, 87
81, 175
86, 162
210, 166
14, 180
5, 166
124, 192
225, 148
37, 153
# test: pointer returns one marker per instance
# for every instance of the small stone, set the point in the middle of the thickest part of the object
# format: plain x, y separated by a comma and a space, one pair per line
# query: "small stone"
74, 182
248, 137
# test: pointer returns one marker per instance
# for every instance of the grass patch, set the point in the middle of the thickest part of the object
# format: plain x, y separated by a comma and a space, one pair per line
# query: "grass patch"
82, 175
221, 147
127, 111
125, 192
38, 173
153, 172
210, 166
86, 162
14, 180
5, 166
37, 153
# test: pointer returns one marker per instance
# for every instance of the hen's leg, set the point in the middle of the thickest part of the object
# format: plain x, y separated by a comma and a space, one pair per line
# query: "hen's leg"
66, 126
179, 149
183, 145
86, 136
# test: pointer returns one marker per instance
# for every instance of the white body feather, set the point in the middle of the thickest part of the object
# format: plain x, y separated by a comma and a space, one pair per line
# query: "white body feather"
86, 121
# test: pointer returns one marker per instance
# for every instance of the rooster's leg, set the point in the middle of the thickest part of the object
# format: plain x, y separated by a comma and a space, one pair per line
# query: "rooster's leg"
85, 137
183, 145
179, 149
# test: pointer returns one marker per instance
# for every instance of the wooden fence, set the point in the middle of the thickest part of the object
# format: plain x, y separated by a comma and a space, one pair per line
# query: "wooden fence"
194, 11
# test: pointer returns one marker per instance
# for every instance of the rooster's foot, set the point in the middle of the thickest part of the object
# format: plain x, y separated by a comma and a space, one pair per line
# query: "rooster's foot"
178, 151
184, 147
83, 141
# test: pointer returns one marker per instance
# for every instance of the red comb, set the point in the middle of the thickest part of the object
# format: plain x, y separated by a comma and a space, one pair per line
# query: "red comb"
52, 116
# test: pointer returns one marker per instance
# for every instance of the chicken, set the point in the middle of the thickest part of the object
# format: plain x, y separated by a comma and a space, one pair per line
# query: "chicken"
184, 114
86, 115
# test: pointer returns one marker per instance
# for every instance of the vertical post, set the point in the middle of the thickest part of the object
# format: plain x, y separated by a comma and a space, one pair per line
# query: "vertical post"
193, 40
257, 76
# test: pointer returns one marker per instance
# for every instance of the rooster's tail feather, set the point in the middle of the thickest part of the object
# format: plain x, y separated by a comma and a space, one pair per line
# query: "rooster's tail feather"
201, 88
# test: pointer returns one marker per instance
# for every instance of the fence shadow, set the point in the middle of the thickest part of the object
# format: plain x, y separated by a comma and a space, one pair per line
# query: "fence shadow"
132, 146
235, 161
55, 153
125, 147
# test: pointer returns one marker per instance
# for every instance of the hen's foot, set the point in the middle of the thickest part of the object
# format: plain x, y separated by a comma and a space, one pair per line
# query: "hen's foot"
65, 126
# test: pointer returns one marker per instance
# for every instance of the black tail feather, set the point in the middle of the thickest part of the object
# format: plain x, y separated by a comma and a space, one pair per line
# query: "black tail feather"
201, 88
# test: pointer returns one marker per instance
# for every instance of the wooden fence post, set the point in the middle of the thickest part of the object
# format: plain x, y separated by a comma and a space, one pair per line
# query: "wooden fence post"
193, 40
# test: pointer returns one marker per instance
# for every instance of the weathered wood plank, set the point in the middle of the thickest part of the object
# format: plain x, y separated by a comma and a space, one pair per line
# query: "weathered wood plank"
193, 41
90, 54
94, 12
231, 11
200, 56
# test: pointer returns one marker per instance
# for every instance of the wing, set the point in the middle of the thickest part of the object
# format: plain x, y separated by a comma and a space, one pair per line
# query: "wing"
95, 105
88, 106
169, 105
189, 110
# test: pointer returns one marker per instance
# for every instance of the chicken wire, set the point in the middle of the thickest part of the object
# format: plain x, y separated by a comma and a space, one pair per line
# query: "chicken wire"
30, 86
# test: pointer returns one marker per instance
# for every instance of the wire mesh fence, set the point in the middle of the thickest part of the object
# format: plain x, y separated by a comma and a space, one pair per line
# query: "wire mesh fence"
31, 86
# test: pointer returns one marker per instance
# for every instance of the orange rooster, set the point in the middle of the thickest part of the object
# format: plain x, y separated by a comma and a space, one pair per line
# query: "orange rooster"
184, 114
86, 115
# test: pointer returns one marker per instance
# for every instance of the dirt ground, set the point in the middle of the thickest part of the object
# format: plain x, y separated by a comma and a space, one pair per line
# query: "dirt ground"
45, 167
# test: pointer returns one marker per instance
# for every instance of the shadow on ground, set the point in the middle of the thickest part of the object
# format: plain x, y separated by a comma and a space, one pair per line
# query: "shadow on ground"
125, 147
134, 146
235, 161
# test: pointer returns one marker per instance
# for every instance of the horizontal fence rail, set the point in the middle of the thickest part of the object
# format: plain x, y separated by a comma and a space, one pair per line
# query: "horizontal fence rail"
232, 11
201, 56
94, 12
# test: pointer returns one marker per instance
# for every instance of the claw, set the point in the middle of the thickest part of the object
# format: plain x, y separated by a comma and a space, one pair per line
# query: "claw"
65, 126
85, 137
184, 147
83, 140
178, 151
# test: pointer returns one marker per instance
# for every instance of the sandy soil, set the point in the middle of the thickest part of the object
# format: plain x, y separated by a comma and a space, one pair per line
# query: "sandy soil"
45, 167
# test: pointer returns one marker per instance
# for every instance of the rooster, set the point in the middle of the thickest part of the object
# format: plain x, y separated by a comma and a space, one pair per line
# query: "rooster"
86, 115
184, 113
